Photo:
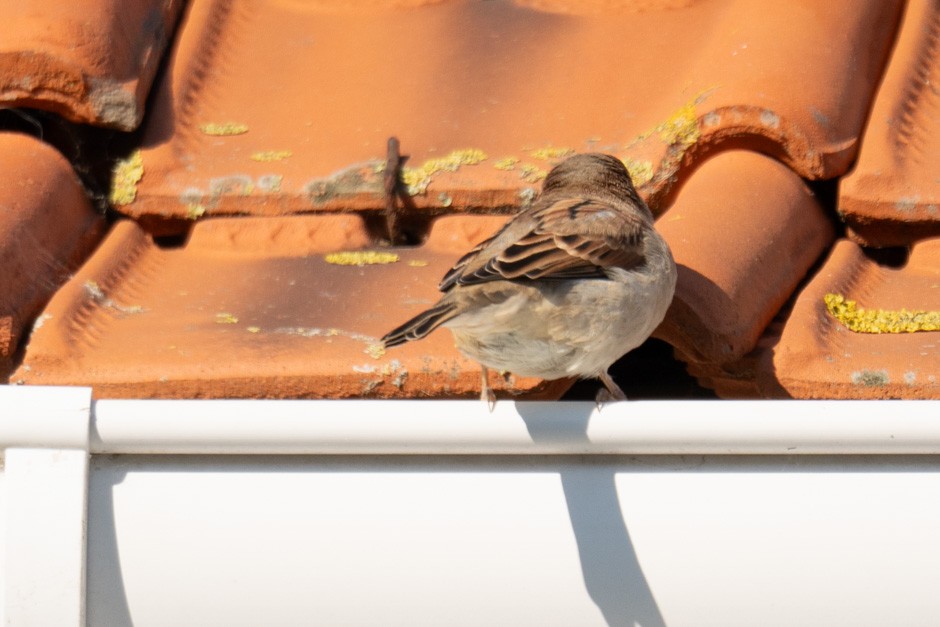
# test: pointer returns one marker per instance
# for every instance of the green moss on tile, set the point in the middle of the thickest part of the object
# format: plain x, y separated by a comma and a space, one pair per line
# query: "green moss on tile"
127, 173
862, 320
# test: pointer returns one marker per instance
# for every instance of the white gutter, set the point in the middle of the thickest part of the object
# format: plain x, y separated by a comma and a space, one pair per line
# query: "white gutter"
55, 417
534, 428
161, 527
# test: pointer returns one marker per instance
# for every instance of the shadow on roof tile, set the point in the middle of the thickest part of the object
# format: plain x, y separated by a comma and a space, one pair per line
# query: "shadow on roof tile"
892, 198
91, 62
47, 227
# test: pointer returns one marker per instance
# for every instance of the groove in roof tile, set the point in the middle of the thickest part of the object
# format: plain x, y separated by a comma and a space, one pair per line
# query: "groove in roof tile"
744, 231
512, 81
892, 198
812, 354
250, 307
91, 62
47, 227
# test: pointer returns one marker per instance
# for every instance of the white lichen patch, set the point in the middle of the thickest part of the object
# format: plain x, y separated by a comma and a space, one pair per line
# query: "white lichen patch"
95, 293
871, 378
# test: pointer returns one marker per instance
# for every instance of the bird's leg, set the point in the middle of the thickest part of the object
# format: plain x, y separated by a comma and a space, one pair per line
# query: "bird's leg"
486, 393
610, 392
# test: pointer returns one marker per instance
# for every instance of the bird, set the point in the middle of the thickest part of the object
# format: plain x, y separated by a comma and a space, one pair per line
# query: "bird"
565, 288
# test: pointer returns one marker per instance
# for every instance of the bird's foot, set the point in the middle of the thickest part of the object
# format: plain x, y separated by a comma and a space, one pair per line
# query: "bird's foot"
486, 392
609, 393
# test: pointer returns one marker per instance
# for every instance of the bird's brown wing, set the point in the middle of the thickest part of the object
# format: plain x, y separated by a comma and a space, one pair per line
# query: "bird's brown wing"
565, 239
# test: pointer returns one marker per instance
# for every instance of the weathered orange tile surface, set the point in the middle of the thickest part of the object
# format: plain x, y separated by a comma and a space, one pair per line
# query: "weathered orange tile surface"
252, 307
92, 61
812, 354
892, 198
47, 226
285, 106
278, 113
744, 231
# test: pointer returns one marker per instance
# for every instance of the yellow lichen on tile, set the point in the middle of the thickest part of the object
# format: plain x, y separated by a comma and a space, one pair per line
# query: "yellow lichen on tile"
417, 263
641, 171
253, 329
862, 320
551, 153
417, 179
681, 129
360, 258
266, 156
506, 163
195, 210
224, 317
375, 351
127, 174
224, 128
531, 173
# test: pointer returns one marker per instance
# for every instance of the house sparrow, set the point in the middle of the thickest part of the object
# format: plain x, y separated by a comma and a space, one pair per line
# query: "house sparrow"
565, 288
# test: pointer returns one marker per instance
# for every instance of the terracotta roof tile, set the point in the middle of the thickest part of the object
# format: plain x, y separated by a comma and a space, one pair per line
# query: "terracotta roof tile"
744, 231
279, 115
813, 354
47, 226
893, 196
92, 62
490, 94
254, 307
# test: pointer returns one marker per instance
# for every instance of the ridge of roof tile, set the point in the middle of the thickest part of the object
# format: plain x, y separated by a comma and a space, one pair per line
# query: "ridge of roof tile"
91, 62
744, 231
287, 109
813, 354
892, 198
47, 227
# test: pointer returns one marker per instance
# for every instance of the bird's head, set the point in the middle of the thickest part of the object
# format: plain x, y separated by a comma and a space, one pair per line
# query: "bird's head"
594, 175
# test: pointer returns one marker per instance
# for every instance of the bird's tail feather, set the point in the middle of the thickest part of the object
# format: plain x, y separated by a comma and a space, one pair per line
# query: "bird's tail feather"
421, 325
